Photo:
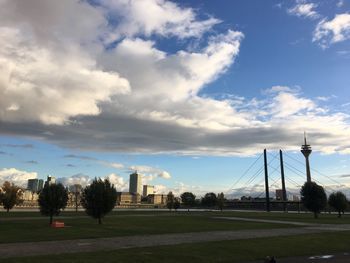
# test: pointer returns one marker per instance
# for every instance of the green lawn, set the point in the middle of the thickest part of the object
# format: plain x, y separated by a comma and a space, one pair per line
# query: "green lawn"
324, 218
19, 229
224, 251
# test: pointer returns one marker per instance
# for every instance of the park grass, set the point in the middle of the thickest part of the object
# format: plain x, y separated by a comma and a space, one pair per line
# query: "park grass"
323, 218
223, 251
19, 229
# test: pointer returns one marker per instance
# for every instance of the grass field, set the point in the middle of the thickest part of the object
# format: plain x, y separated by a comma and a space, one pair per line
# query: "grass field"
17, 228
31, 226
223, 251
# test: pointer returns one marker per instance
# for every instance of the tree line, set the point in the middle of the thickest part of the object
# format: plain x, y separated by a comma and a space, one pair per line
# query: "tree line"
99, 198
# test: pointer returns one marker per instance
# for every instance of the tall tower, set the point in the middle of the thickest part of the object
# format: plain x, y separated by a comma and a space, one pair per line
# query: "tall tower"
135, 183
306, 150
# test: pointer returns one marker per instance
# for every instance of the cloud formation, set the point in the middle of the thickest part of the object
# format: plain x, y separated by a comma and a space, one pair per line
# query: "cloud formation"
304, 9
16, 176
332, 31
106, 85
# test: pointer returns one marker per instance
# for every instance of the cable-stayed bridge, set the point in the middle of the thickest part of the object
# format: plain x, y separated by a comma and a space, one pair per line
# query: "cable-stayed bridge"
256, 187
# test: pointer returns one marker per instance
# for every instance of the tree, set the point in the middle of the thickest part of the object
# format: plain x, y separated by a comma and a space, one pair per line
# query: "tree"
188, 199
338, 201
10, 195
209, 200
170, 201
177, 203
313, 197
52, 199
221, 201
99, 198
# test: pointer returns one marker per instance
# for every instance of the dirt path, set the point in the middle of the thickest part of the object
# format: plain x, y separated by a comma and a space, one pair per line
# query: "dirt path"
89, 245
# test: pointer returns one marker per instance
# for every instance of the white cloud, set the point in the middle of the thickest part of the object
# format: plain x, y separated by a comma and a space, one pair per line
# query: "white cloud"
80, 178
150, 173
17, 177
118, 182
304, 9
159, 17
328, 32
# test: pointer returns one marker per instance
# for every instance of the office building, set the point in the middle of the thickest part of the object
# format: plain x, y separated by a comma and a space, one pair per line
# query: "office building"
148, 190
135, 184
50, 180
35, 185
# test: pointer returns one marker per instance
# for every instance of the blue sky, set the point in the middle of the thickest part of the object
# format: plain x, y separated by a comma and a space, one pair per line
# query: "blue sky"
188, 93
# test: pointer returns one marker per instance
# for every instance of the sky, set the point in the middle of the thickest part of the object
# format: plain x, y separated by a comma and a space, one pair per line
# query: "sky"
187, 93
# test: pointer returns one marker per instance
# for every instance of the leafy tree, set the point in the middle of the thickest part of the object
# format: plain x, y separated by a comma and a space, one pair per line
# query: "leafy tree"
170, 200
338, 201
188, 199
313, 197
221, 201
99, 198
177, 203
10, 195
52, 199
209, 200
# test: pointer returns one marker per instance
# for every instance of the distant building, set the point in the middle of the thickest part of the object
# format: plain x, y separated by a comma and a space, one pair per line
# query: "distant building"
148, 190
124, 198
135, 184
157, 199
29, 195
50, 180
35, 185
279, 194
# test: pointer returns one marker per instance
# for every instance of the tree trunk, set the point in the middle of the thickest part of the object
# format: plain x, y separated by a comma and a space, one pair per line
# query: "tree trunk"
8, 210
51, 219
315, 215
339, 214
99, 221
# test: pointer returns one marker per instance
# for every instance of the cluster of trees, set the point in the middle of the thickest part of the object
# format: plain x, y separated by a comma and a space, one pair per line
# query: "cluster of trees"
98, 199
188, 200
314, 198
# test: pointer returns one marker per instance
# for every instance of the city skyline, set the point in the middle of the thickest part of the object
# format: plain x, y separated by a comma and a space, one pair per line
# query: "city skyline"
189, 97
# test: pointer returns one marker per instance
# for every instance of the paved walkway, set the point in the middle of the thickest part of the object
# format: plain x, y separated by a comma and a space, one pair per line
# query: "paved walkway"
337, 258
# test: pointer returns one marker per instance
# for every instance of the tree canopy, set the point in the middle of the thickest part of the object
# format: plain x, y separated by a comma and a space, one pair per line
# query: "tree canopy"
99, 198
188, 199
52, 199
10, 195
313, 197
338, 201
209, 200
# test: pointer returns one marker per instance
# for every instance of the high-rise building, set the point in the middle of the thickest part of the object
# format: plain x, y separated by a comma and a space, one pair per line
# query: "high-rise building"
148, 190
50, 180
33, 185
40, 185
135, 184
